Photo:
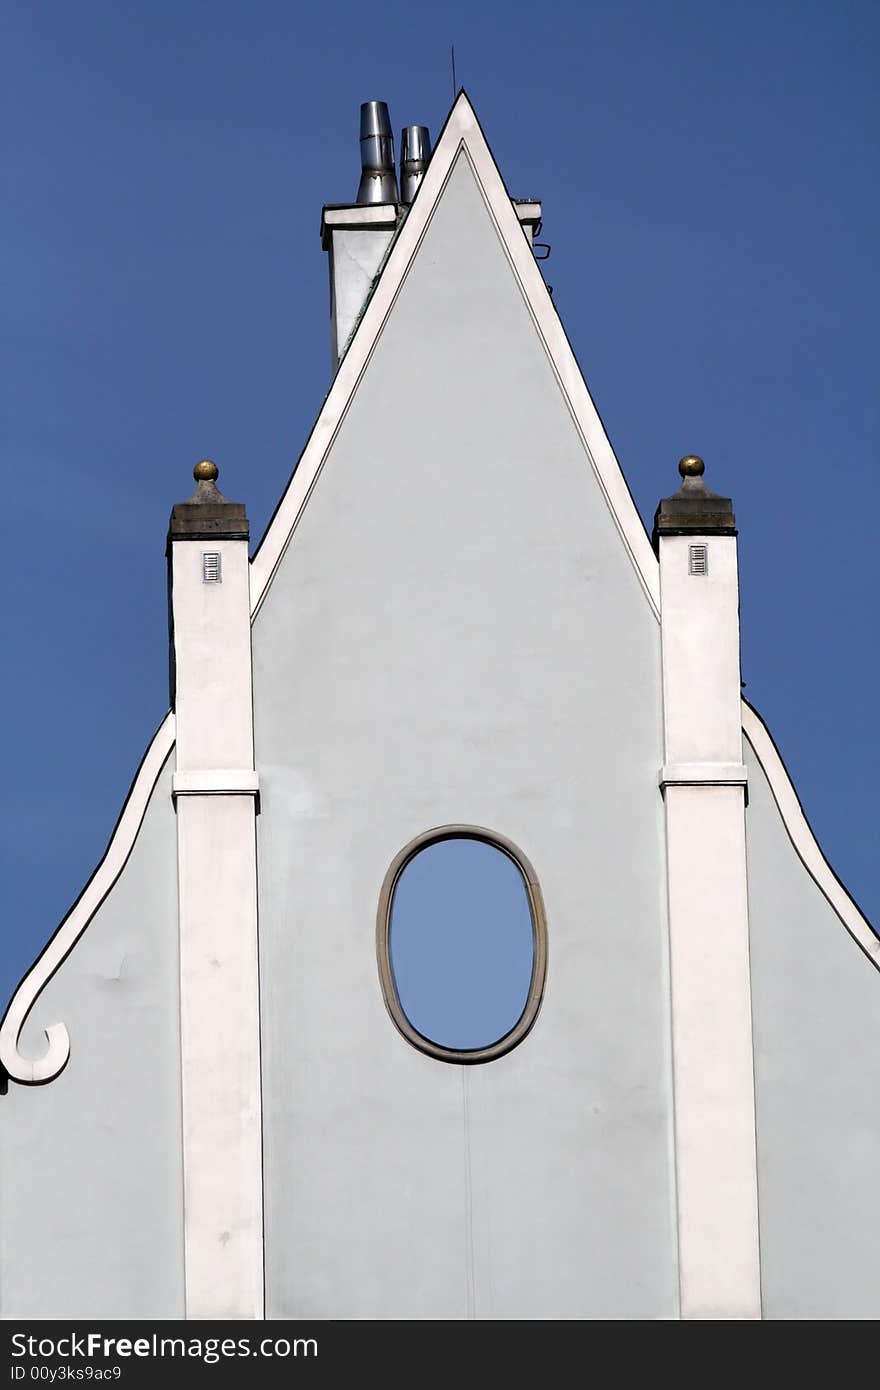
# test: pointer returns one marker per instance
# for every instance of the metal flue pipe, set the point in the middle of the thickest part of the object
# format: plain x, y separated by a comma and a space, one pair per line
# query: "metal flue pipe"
378, 178
415, 151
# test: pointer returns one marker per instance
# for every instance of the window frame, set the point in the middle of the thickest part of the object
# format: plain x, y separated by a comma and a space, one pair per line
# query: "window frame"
526, 1020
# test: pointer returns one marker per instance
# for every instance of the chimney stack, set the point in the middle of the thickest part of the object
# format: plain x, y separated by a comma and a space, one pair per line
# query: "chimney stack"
358, 235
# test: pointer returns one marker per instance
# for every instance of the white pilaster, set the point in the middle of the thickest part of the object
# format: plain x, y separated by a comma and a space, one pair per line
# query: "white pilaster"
703, 783
215, 791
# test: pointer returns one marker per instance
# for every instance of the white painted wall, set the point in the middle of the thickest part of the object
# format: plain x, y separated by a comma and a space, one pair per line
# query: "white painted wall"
816, 1004
91, 1180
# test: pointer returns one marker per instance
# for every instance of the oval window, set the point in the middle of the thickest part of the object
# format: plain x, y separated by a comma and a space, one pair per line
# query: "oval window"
462, 944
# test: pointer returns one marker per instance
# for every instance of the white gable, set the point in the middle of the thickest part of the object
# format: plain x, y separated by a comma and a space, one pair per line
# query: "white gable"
461, 134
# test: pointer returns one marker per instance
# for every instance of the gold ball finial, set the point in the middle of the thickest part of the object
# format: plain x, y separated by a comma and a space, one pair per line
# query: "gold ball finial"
206, 472
691, 466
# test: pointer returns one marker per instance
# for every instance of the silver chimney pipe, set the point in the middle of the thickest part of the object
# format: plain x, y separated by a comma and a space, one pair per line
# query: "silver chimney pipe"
415, 151
378, 179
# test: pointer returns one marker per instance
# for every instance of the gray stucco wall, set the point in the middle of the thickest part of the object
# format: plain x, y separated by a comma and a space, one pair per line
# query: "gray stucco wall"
456, 634
816, 1012
91, 1213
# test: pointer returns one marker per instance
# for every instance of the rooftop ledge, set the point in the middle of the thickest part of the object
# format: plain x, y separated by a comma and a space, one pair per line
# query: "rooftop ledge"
383, 216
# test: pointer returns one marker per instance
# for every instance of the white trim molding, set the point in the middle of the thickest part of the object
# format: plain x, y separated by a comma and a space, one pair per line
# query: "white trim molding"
703, 775
35, 1072
216, 782
356, 215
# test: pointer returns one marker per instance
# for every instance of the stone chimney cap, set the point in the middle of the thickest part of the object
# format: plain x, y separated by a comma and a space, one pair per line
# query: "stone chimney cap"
208, 515
693, 510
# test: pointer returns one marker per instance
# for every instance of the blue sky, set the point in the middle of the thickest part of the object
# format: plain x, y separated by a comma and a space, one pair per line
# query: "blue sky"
710, 192
437, 927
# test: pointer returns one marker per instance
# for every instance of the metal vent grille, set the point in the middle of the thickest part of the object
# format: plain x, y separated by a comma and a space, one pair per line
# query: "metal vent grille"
698, 559
211, 573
